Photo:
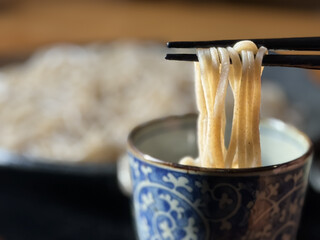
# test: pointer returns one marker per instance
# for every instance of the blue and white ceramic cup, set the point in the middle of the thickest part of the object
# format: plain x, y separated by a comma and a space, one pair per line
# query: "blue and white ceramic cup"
173, 201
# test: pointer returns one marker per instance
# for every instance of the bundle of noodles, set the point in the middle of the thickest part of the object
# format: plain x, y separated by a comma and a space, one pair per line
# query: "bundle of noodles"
212, 74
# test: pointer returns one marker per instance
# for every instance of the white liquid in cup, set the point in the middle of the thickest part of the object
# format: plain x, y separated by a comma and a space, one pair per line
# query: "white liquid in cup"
280, 143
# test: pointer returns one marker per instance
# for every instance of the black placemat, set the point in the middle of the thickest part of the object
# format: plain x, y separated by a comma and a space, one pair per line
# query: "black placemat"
35, 205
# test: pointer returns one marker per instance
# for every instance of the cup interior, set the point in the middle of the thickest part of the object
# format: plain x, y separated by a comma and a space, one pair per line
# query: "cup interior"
173, 138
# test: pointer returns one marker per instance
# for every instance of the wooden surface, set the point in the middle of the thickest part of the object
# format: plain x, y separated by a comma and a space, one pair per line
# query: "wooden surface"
27, 25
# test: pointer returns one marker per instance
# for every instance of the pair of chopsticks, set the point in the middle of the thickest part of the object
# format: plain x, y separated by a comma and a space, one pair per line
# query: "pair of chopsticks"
276, 44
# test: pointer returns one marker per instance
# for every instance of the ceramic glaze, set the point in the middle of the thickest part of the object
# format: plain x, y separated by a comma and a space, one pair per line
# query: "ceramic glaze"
179, 202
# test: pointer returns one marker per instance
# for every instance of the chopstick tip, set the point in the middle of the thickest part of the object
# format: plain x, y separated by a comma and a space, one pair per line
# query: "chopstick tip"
170, 44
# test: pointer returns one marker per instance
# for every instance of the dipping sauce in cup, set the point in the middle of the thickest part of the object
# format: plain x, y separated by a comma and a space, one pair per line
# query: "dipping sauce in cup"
174, 201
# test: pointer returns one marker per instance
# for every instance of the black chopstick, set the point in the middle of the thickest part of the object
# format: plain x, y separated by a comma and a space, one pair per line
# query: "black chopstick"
298, 44
298, 61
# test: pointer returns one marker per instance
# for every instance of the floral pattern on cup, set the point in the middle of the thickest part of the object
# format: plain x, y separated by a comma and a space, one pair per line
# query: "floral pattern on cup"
172, 204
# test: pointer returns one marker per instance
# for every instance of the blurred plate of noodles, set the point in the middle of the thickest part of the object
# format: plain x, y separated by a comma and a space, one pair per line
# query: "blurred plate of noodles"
75, 105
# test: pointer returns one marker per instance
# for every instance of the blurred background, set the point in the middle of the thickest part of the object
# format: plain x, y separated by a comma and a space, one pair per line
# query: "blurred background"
77, 75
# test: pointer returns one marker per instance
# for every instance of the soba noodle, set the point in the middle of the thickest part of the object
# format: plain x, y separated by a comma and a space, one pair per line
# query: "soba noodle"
213, 72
